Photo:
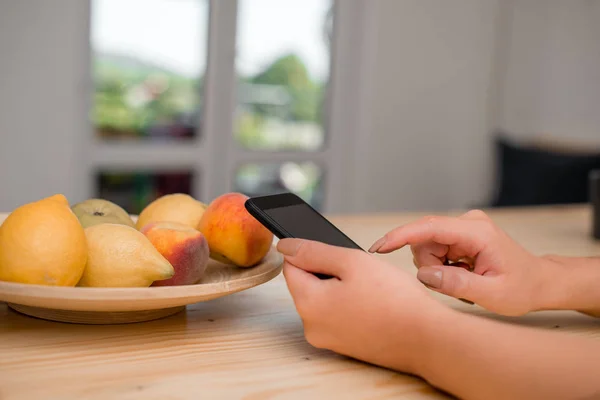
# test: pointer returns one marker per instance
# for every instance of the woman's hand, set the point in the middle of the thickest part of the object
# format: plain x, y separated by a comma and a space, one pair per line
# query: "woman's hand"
501, 275
370, 310
377, 313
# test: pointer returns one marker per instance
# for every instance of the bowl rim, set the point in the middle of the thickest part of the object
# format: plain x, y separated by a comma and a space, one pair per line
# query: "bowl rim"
272, 265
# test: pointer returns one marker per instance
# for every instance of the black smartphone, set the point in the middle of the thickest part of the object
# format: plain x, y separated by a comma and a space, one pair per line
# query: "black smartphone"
288, 216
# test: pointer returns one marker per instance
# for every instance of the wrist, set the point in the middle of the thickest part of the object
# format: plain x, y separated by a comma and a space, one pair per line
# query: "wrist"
429, 329
443, 335
549, 289
568, 283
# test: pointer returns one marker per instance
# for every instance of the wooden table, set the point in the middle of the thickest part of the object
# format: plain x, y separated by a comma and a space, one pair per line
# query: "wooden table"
250, 345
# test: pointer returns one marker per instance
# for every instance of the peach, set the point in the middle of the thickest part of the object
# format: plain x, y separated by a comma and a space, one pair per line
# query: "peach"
234, 236
184, 247
176, 207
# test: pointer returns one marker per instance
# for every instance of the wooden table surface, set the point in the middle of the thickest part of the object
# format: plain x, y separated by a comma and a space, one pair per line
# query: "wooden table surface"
250, 345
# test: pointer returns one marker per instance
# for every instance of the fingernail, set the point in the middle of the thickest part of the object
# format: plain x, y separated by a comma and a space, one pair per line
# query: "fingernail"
431, 277
377, 245
288, 247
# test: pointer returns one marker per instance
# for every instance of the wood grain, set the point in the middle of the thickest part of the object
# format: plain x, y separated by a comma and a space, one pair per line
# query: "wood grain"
95, 317
250, 344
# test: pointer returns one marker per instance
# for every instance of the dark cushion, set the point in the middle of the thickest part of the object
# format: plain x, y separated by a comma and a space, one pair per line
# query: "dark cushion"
531, 175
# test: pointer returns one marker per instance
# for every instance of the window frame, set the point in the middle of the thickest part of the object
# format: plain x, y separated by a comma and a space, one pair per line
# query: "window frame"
215, 156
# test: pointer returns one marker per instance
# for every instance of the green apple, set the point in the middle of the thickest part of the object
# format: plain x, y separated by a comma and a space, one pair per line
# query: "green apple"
99, 211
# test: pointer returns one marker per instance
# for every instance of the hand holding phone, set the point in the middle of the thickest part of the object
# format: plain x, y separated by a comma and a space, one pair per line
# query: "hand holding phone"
288, 216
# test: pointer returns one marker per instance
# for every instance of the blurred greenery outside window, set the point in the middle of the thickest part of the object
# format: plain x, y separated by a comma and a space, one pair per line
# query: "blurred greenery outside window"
279, 107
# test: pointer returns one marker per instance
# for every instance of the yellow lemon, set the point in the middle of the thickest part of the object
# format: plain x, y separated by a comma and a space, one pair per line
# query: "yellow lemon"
43, 243
121, 256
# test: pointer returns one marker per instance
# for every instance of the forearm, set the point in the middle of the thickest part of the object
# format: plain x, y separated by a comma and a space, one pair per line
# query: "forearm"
476, 358
571, 284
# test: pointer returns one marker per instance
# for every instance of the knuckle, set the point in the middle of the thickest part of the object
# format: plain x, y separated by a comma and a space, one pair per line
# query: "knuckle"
301, 249
430, 220
476, 213
488, 229
458, 286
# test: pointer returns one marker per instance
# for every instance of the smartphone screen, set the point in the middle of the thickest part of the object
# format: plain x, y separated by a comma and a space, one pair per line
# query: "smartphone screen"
303, 222
298, 219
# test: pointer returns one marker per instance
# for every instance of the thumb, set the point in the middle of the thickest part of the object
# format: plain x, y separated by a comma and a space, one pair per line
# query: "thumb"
317, 257
455, 282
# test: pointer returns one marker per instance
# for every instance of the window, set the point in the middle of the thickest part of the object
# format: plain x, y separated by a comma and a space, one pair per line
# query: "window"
148, 62
229, 95
282, 68
305, 179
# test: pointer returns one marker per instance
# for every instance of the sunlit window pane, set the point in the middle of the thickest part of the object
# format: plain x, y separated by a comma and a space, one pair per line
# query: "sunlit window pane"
282, 63
148, 61
304, 179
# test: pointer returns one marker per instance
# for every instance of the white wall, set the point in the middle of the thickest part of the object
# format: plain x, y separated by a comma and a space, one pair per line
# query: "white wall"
552, 84
426, 145
41, 95
446, 75
441, 76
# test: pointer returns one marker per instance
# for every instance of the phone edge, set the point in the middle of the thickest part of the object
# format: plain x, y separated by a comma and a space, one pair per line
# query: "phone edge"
264, 219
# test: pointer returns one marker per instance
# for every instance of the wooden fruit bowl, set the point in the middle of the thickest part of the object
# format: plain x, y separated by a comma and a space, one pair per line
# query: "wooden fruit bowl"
125, 305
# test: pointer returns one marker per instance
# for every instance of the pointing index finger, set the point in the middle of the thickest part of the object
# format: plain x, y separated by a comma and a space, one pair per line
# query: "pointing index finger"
469, 234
